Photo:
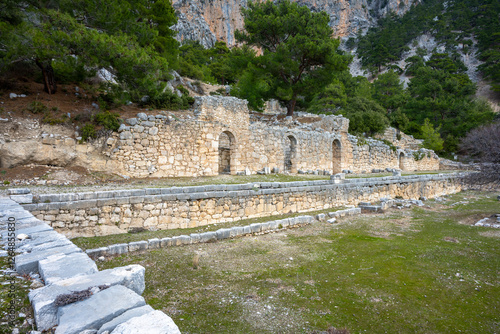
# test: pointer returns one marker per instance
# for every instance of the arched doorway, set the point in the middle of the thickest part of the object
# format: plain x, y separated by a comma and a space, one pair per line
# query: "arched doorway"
401, 160
290, 154
226, 148
336, 157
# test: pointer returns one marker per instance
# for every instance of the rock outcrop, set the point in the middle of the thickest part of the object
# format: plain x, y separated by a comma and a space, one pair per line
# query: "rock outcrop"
215, 20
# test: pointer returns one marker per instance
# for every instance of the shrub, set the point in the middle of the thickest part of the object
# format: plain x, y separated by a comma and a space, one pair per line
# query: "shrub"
37, 107
108, 120
88, 131
50, 118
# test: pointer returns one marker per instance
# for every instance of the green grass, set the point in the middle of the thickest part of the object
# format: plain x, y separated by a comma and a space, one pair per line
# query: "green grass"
419, 270
102, 241
19, 298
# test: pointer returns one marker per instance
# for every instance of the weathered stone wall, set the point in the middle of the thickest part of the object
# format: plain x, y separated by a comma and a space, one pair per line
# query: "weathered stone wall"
400, 139
102, 213
219, 138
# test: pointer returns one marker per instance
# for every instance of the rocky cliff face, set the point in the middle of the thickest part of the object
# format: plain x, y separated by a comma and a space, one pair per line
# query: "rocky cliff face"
209, 21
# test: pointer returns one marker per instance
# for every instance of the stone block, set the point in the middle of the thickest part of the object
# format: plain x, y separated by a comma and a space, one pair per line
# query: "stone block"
155, 322
58, 267
127, 315
195, 238
118, 249
28, 262
185, 239
165, 242
43, 299
332, 220
273, 225
137, 246
264, 226
176, 241
208, 237
236, 231
256, 227
18, 191
22, 199
321, 217
223, 233
154, 243
97, 310
97, 252
153, 191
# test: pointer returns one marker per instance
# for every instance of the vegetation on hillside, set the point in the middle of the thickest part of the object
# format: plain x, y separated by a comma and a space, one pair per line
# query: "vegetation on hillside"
297, 64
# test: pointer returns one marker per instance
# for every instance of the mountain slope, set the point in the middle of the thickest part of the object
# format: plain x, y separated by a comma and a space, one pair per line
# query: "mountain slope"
209, 21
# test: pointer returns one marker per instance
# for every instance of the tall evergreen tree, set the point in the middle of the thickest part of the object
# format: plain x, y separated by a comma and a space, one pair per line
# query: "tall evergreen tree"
298, 52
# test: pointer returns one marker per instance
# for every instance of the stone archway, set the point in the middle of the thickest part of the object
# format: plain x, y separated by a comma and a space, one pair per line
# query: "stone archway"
401, 158
290, 154
336, 157
226, 153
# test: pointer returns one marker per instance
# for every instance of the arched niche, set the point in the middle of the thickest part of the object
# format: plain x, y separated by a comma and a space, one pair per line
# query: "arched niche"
336, 157
227, 147
401, 159
290, 154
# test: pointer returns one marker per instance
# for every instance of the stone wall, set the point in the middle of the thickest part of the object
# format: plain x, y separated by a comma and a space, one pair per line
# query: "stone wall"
102, 213
219, 138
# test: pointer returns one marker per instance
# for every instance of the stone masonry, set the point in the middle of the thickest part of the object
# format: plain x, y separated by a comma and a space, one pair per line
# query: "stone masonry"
111, 212
218, 137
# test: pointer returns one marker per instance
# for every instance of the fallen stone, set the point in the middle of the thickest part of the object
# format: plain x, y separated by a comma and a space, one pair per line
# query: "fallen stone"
155, 322
58, 267
97, 310
132, 313
43, 299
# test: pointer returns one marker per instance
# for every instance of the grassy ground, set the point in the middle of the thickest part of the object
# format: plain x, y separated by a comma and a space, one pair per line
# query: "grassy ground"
96, 242
14, 290
420, 270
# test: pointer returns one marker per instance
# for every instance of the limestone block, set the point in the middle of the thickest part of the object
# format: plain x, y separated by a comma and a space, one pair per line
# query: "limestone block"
137, 246
223, 233
256, 228
153, 243
166, 242
18, 191
117, 249
195, 238
208, 237
58, 267
127, 315
28, 263
155, 322
99, 309
43, 299
22, 199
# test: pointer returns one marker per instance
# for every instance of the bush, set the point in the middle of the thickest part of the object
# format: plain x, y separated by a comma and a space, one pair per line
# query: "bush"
50, 118
108, 120
88, 132
169, 100
37, 107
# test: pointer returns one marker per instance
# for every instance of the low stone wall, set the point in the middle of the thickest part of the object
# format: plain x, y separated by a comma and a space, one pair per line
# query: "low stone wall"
76, 296
220, 234
111, 212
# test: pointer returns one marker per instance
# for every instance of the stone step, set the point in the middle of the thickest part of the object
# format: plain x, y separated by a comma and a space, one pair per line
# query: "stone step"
155, 322
97, 310
28, 262
132, 313
43, 299
59, 267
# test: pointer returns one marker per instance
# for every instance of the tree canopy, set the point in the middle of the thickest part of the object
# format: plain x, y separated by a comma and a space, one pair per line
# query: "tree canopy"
129, 38
298, 52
